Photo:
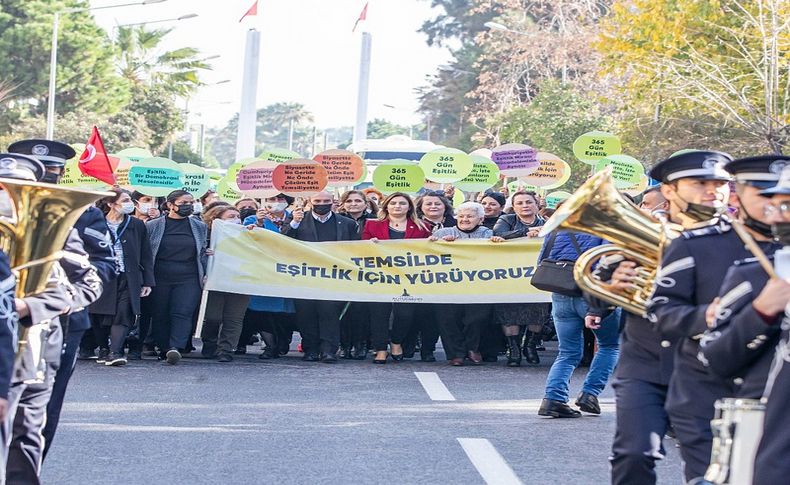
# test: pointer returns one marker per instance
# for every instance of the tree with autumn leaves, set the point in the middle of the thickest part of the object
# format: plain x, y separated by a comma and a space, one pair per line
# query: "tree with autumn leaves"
663, 75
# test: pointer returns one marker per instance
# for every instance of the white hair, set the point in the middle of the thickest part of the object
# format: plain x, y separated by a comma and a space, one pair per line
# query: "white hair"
475, 206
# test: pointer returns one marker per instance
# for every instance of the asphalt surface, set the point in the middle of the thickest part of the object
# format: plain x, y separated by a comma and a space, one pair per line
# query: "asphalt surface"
286, 421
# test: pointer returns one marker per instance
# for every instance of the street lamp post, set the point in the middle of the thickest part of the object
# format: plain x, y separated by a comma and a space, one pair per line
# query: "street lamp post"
175, 19
53, 60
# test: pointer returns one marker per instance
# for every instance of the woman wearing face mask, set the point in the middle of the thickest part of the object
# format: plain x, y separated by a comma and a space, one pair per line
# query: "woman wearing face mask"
271, 214
460, 326
397, 220
224, 311
146, 207
524, 222
178, 243
113, 314
375, 196
273, 317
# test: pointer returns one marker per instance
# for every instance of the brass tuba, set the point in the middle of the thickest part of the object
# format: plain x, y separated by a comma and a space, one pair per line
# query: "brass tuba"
597, 208
34, 236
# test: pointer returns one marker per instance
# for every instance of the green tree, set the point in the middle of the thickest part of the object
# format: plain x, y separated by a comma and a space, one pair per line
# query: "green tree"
157, 107
552, 121
705, 67
271, 131
380, 128
143, 62
121, 130
86, 77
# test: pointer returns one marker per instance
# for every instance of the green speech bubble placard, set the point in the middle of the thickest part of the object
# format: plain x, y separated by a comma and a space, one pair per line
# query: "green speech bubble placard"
156, 176
278, 155
519, 186
626, 170
72, 177
225, 191
595, 145
484, 175
398, 176
446, 165
554, 198
135, 154
196, 180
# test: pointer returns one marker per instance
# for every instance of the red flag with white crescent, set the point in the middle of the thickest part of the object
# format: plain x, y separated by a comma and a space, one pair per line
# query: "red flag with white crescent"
95, 162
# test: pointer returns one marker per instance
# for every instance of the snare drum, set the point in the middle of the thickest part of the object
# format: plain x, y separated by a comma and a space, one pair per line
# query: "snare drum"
737, 429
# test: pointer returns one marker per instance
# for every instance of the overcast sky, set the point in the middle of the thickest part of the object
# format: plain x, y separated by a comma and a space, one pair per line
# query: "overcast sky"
308, 53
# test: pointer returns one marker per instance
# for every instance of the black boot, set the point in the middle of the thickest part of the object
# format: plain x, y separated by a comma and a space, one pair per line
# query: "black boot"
514, 352
530, 348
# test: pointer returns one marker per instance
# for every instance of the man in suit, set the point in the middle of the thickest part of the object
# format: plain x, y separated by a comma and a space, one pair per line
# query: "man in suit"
318, 320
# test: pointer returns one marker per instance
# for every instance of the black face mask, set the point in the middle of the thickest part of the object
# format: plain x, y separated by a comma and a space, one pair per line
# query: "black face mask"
760, 228
50, 178
781, 231
322, 209
247, 212
700, 212
185, 210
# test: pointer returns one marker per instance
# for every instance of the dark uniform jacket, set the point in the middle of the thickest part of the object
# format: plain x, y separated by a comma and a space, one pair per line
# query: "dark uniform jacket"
691, 272
95, 235
741, 345
156, 231
138, 267
772, 465
347, 229
8, 325
644, 354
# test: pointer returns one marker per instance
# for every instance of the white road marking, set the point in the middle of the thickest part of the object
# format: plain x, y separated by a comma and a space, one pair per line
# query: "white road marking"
489, 463
434, 386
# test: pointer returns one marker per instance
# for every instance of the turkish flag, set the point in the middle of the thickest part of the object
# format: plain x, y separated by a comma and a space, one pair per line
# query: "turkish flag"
95, 162
252, 11
362, 16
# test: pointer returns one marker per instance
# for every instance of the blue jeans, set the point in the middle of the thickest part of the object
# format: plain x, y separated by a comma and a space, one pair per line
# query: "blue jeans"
568, 313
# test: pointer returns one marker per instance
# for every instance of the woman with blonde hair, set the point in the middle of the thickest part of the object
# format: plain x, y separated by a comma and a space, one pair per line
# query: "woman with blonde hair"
224, 311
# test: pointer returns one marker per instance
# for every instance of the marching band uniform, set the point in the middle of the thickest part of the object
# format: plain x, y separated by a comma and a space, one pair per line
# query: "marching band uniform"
72, 284
740, 345
642, 377
771, 465
686, 284
92, 231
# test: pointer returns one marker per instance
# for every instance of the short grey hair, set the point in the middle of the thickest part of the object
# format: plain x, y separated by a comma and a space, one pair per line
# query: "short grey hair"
475, 206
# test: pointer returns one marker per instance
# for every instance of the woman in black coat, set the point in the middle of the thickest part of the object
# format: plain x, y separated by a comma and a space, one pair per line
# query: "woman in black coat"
114, 313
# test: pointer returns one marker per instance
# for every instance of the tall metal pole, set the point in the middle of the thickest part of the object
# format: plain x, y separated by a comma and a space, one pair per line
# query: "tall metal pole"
53, 61
245, 138
291, 134
315, 141
361, 126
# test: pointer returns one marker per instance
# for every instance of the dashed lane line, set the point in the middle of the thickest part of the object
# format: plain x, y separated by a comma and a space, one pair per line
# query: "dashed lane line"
434, 386
488, 462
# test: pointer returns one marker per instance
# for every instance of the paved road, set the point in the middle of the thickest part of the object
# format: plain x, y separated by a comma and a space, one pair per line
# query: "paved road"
287, 421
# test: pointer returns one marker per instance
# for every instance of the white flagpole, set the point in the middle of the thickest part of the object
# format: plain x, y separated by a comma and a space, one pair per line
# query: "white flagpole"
245, 139
361, 126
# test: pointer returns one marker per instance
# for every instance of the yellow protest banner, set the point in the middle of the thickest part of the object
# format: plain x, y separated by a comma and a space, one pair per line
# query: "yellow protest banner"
265, 263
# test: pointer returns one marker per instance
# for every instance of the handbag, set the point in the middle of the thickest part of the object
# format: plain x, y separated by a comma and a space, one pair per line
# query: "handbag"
556, 275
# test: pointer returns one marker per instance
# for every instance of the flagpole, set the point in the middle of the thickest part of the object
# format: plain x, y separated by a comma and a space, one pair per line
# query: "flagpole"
361, 126
245, 138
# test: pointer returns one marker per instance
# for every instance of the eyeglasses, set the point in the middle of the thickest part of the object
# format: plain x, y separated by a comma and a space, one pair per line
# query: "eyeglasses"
783, 209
